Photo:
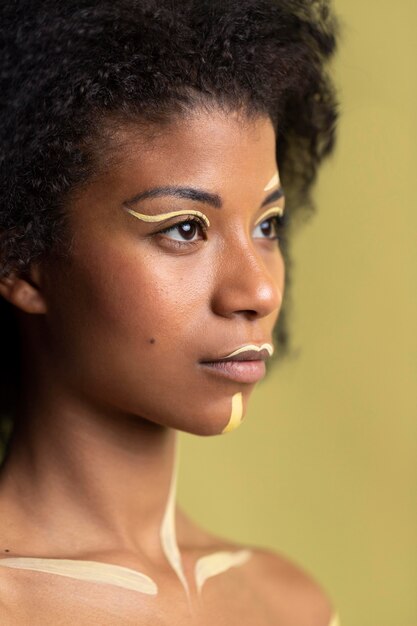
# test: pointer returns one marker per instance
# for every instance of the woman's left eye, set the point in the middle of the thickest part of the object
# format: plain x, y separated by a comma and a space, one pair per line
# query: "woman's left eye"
186, 229
270, 228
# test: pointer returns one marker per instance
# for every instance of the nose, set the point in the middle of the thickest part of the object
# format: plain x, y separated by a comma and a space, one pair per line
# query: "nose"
249, 282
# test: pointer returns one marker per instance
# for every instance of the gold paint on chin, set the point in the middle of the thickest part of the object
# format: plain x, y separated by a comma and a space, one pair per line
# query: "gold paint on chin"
273, 182
164, 216
237, 413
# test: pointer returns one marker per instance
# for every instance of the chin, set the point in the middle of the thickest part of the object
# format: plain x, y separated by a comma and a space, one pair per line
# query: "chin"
212, 416
223, 424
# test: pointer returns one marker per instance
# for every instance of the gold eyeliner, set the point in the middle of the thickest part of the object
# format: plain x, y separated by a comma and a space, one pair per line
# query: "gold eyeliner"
164, 216
276, 210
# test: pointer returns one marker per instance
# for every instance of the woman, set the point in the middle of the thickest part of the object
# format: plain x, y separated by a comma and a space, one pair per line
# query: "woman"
142, 244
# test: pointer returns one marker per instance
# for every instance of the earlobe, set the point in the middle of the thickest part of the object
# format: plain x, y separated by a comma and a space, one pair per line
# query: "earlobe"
24, 291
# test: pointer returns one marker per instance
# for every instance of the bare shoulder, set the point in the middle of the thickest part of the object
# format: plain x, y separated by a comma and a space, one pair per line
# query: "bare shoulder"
291, 591
286, 590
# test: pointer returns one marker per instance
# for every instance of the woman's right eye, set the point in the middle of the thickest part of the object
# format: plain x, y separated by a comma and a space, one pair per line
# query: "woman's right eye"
186, 230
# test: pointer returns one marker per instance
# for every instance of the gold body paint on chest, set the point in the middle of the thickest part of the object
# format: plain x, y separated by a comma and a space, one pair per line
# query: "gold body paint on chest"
217, 563
127, 578
164, 216
236, 414
89, 571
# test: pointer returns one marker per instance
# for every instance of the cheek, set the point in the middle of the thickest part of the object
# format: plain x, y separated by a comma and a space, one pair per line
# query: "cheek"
150, 296
122, 306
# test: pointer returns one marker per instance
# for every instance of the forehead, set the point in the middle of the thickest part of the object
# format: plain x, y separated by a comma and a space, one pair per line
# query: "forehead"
210, 147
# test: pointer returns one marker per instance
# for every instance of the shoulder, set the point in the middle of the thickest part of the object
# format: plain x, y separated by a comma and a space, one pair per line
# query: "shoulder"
292, 592
287, 592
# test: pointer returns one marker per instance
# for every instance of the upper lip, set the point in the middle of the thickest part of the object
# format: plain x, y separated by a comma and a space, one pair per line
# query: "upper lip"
260, 354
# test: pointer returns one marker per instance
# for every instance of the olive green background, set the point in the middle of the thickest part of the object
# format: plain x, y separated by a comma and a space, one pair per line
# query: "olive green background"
324, 467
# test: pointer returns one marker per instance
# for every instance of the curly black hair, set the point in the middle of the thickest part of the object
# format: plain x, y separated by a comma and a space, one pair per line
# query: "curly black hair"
70, 71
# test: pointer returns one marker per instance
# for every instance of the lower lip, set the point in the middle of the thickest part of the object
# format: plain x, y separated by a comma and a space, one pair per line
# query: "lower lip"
240, 371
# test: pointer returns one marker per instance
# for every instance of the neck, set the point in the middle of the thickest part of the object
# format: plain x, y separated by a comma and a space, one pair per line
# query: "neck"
84, 473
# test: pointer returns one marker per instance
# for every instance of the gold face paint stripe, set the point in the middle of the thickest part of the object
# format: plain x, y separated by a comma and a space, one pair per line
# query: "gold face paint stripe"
276, 210
89, 571
264, 346
335, 621
217, 563
273, 182
164, 216
237, 413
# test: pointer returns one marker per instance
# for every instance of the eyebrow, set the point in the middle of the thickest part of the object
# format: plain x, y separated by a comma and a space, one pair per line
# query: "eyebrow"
186, 193
273, 197
197, 195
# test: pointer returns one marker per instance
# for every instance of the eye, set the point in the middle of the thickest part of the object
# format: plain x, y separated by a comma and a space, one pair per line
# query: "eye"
186, 230
272, 228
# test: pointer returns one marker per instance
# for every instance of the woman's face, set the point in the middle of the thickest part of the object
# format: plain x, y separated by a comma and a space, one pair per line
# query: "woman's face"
134, 311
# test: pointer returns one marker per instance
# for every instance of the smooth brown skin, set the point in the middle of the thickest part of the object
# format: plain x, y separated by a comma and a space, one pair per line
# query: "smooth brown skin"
112, 340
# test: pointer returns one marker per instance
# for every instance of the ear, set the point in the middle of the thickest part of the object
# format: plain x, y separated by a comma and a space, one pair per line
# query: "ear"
24, 290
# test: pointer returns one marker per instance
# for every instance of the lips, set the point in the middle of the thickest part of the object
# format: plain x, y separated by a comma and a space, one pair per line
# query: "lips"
248, 355
237, 371
250, 352
244, 365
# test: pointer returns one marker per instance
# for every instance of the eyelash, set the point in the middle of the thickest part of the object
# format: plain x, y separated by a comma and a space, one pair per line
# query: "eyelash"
280, 222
